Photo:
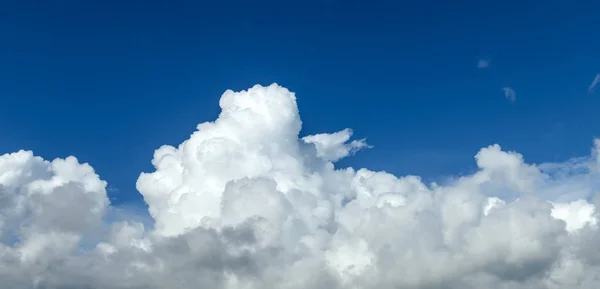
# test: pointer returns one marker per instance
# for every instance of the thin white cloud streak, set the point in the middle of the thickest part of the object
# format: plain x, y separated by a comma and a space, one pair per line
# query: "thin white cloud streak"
594, 83
510, 94
246, 202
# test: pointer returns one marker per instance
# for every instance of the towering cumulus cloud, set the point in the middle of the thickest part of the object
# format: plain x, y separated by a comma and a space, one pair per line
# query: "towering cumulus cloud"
247, 203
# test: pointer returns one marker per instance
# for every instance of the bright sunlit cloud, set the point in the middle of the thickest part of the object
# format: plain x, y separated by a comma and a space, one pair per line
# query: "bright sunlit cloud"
246, 202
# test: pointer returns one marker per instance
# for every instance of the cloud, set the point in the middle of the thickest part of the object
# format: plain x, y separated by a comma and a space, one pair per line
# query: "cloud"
595, 82
246, 202
333, 146
483, 63
510, 94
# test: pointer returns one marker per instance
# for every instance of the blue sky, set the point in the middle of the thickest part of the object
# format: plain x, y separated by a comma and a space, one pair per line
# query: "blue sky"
110, 81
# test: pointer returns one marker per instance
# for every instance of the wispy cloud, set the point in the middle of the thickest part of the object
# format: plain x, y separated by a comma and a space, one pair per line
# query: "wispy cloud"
483, 63
592, 86
510, 94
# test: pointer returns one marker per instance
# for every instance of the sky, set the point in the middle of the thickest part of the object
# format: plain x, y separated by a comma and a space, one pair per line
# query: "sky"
111, 82
424, 89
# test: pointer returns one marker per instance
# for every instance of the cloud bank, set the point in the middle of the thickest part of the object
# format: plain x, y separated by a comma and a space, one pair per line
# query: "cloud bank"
246, 202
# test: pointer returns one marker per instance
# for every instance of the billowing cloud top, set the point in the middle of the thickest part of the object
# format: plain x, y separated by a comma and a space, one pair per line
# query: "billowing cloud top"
246, 202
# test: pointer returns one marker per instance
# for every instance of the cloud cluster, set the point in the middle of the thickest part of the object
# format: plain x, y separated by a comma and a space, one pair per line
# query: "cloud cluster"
247, 203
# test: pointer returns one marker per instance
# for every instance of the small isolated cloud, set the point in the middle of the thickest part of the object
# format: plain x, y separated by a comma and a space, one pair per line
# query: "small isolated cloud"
483, 63
510, 94
594, 83
247, 203
334, 146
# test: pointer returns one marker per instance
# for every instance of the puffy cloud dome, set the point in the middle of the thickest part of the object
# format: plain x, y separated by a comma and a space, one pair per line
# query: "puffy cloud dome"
246, 202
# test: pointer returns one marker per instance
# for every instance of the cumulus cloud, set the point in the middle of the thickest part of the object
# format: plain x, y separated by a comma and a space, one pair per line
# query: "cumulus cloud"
246, 202
483, 63
510, 94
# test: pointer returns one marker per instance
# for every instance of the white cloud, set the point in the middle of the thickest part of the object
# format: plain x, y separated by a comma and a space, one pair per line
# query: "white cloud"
594, 83
483, 63
333, 146
247, 203
510, 94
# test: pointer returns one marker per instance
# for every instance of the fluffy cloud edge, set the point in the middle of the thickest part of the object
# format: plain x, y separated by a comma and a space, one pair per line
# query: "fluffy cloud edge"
246, 203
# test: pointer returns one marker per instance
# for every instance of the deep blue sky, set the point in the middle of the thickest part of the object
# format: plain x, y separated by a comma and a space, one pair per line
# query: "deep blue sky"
110, 81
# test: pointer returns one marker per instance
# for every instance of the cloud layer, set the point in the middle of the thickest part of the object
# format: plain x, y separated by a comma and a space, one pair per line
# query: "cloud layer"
246, 202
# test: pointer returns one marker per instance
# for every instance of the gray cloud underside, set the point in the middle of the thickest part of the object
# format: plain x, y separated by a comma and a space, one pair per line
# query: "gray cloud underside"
247, 203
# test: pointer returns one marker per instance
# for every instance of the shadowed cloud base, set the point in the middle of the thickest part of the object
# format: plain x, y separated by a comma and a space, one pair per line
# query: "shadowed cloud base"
246, 202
